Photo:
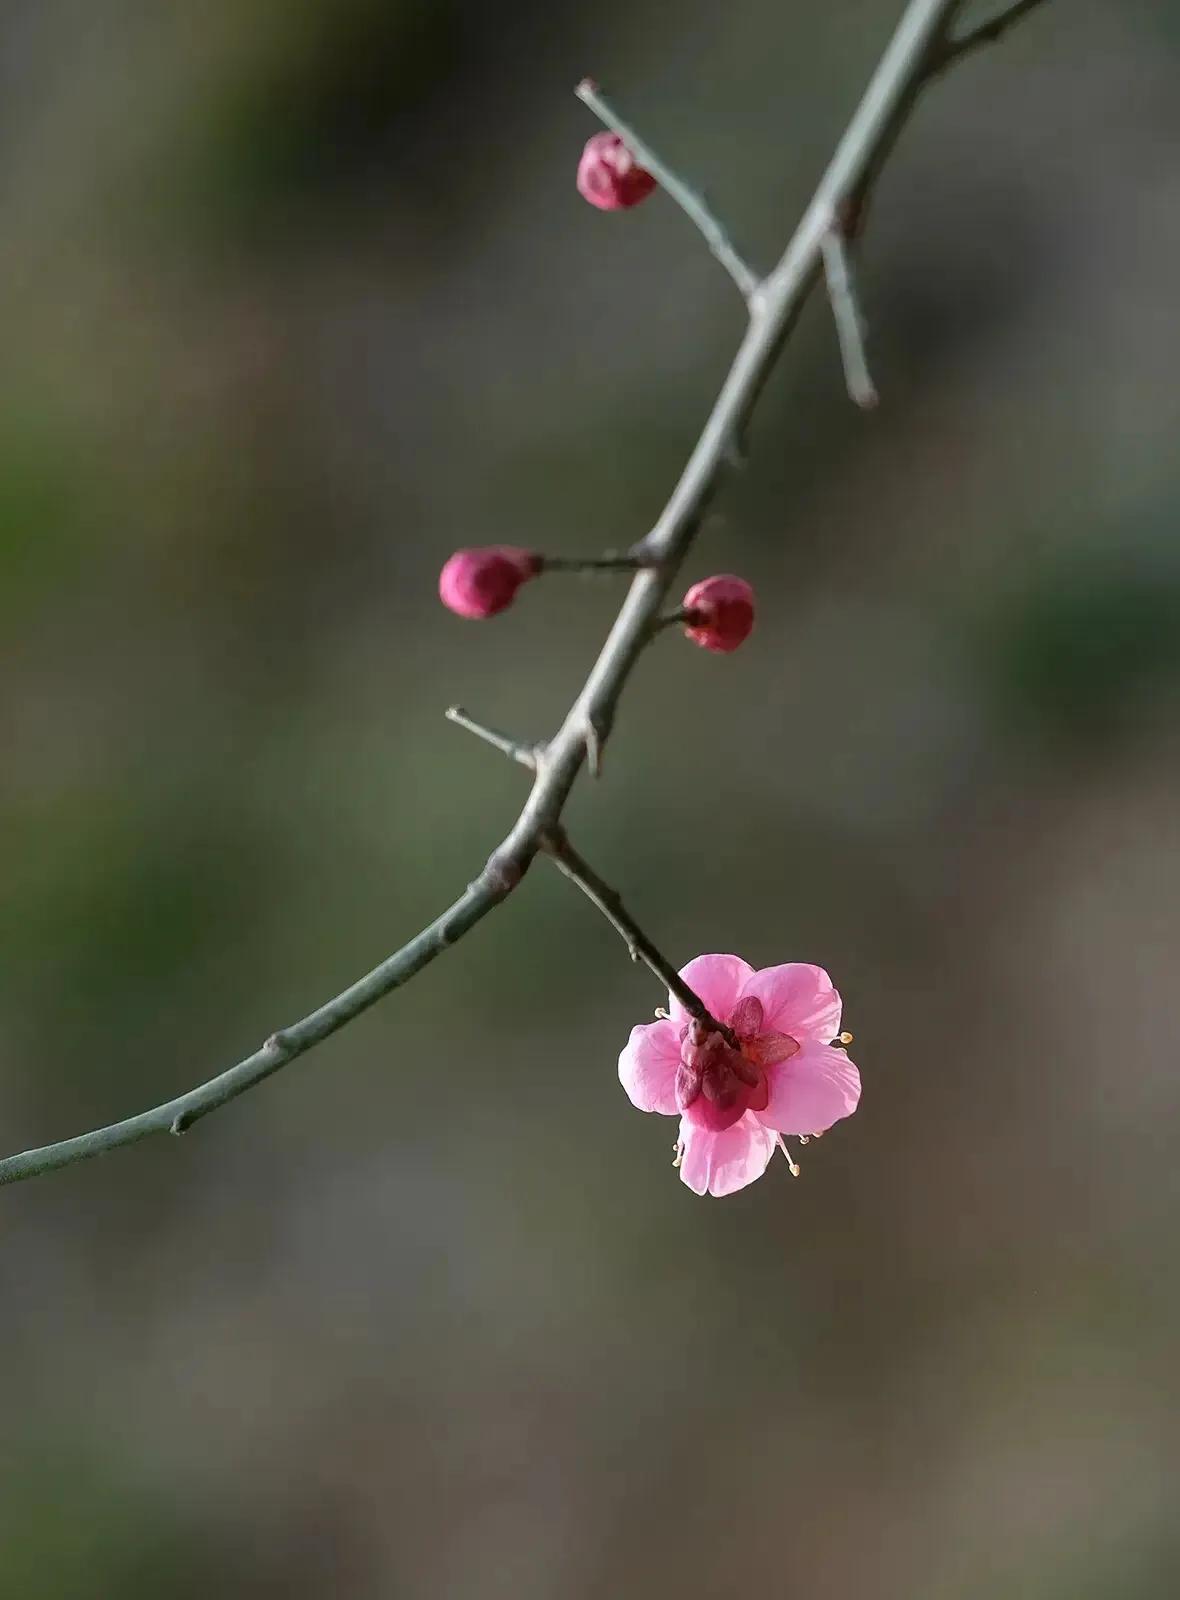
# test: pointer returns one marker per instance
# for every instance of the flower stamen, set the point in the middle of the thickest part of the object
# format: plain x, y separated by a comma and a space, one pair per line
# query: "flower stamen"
792, 1166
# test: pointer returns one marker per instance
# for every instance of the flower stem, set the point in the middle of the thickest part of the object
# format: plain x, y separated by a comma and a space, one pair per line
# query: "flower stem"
568, 862
607, 563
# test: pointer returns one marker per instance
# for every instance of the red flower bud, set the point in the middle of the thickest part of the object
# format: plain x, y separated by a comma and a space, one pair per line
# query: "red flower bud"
719, 612
609, 175
478, 583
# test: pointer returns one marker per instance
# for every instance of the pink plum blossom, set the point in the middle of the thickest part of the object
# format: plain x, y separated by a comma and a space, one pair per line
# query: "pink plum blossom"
779, 1071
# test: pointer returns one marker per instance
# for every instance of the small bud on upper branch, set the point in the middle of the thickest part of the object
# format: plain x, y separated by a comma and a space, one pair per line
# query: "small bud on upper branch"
609, 176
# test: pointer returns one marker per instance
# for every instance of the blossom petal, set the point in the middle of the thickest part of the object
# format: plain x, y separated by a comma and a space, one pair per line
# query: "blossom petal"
797, 999
772, 1049
648, 1064
811, 1091
718, 980
747, 1018
720, 1163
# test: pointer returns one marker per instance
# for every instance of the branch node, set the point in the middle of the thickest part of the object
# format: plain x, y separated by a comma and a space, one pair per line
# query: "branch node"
502, 872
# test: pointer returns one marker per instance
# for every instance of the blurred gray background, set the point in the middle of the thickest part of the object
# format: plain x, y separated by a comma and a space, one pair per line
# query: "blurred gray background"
295, 299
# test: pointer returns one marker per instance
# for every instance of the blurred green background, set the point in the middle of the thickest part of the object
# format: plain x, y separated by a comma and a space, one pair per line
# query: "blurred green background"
297, 297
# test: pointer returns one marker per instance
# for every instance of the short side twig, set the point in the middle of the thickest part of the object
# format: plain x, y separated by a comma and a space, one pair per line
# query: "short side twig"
526, 754
846, 313
690, 202
986, 33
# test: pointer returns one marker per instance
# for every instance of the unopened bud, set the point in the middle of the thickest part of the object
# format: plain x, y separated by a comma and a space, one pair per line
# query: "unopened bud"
609, 175
478, 583
719, 612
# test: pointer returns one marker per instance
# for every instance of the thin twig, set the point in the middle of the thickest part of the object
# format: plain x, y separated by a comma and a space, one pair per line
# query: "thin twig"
177, 1116
986, 33
567, 861
608, 563
690, 202
526, 754
892, 92
846, 313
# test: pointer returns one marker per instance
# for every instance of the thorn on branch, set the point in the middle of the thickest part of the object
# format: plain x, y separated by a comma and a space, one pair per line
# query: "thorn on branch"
737, 453
986, 33
595, 731
850, 326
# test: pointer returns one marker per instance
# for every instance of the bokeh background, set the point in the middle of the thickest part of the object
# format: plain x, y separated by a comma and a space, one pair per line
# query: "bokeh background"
296, 298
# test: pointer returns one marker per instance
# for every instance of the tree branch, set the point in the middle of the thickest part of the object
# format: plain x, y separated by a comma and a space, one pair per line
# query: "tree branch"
907, 64
498, 878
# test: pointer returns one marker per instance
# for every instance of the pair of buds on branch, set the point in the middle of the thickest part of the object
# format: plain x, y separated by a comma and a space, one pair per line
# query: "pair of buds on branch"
717, 613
